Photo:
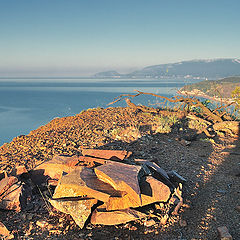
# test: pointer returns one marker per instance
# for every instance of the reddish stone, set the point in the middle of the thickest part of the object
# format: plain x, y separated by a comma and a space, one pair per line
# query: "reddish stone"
4, 232
54, 168
78, 209
12, 198
122, 177
84, 182
224, 234
91, 160
6, 183
101, 216
107, 154
154, 191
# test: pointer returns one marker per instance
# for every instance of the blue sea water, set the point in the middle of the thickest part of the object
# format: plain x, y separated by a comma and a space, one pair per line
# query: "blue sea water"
26, 104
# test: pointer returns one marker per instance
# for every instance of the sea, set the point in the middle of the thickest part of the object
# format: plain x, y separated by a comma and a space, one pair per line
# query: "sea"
26, 104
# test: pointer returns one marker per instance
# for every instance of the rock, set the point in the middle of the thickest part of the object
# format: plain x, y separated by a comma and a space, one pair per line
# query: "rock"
107, 154
6, 183
154, 191
4, 232
42, 223
164, 219
84, 182
102, 216
238, 208
175, 177
183, 223
149, 223
19, 170
13, 198
78, 209
223, 233
92, 160
122, 177
53, 169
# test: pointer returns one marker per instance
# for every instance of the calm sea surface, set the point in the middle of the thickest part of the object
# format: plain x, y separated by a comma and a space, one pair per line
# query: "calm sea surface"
26, 104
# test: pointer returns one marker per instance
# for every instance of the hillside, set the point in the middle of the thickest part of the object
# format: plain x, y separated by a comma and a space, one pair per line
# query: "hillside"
214, 68
220, 88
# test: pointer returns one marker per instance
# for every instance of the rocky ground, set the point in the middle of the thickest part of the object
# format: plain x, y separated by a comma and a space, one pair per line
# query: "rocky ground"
211, 167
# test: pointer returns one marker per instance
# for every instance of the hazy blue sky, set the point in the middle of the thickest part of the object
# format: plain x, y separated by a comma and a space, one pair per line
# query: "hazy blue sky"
80, 37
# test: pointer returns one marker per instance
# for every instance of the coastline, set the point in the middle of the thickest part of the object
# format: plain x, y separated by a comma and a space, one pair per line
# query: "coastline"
198, 93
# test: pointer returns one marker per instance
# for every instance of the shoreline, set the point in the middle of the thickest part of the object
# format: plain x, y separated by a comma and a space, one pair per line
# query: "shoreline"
198, 93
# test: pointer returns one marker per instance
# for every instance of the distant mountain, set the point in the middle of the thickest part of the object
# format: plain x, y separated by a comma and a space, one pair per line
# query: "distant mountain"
220, 88
214, 68
107, 74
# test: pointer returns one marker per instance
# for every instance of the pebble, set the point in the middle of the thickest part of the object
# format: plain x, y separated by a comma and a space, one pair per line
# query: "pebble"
238, 208
149, 223
223, 233
183, 223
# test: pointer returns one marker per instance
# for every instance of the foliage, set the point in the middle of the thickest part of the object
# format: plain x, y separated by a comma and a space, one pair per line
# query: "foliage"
236, 97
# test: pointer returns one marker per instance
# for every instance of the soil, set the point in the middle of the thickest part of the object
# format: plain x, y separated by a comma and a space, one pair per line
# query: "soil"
211, 167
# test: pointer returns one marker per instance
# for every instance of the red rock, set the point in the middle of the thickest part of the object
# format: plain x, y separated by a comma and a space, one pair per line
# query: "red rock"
84, 182
19, 170
107, 154
154, 191
4, 232
78, 209
101, 216
6, 183
224, 234
92, 160
122, 177
54, 168
12, 199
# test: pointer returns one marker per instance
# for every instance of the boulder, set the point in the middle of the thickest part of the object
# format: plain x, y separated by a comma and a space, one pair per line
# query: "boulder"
78, 209
122, 177
54, 168
84, 182
107, 154
102, 216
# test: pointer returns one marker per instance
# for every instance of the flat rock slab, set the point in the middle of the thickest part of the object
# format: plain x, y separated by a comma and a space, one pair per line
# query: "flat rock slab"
91, 161
12, 198
84, 182
4, 232
107, 154
154, 191
6, 183
101, 216
78, 209
122, 177
54, 168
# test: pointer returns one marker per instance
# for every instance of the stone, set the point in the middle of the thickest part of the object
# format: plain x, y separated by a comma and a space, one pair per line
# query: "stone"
154, 191
19, 170
6, 183
175, 177
101, 216
4, 232
238, 208
107, 154
78, 209
54, 168
159, 173
122, 177
92, 160
13, 198
183, 223
42, 223
84, 182
223, 233
149, 223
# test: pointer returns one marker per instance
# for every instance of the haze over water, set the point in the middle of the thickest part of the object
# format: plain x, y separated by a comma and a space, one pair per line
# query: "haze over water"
26, 104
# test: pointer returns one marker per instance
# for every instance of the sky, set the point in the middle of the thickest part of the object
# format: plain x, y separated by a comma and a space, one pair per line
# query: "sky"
82, 37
